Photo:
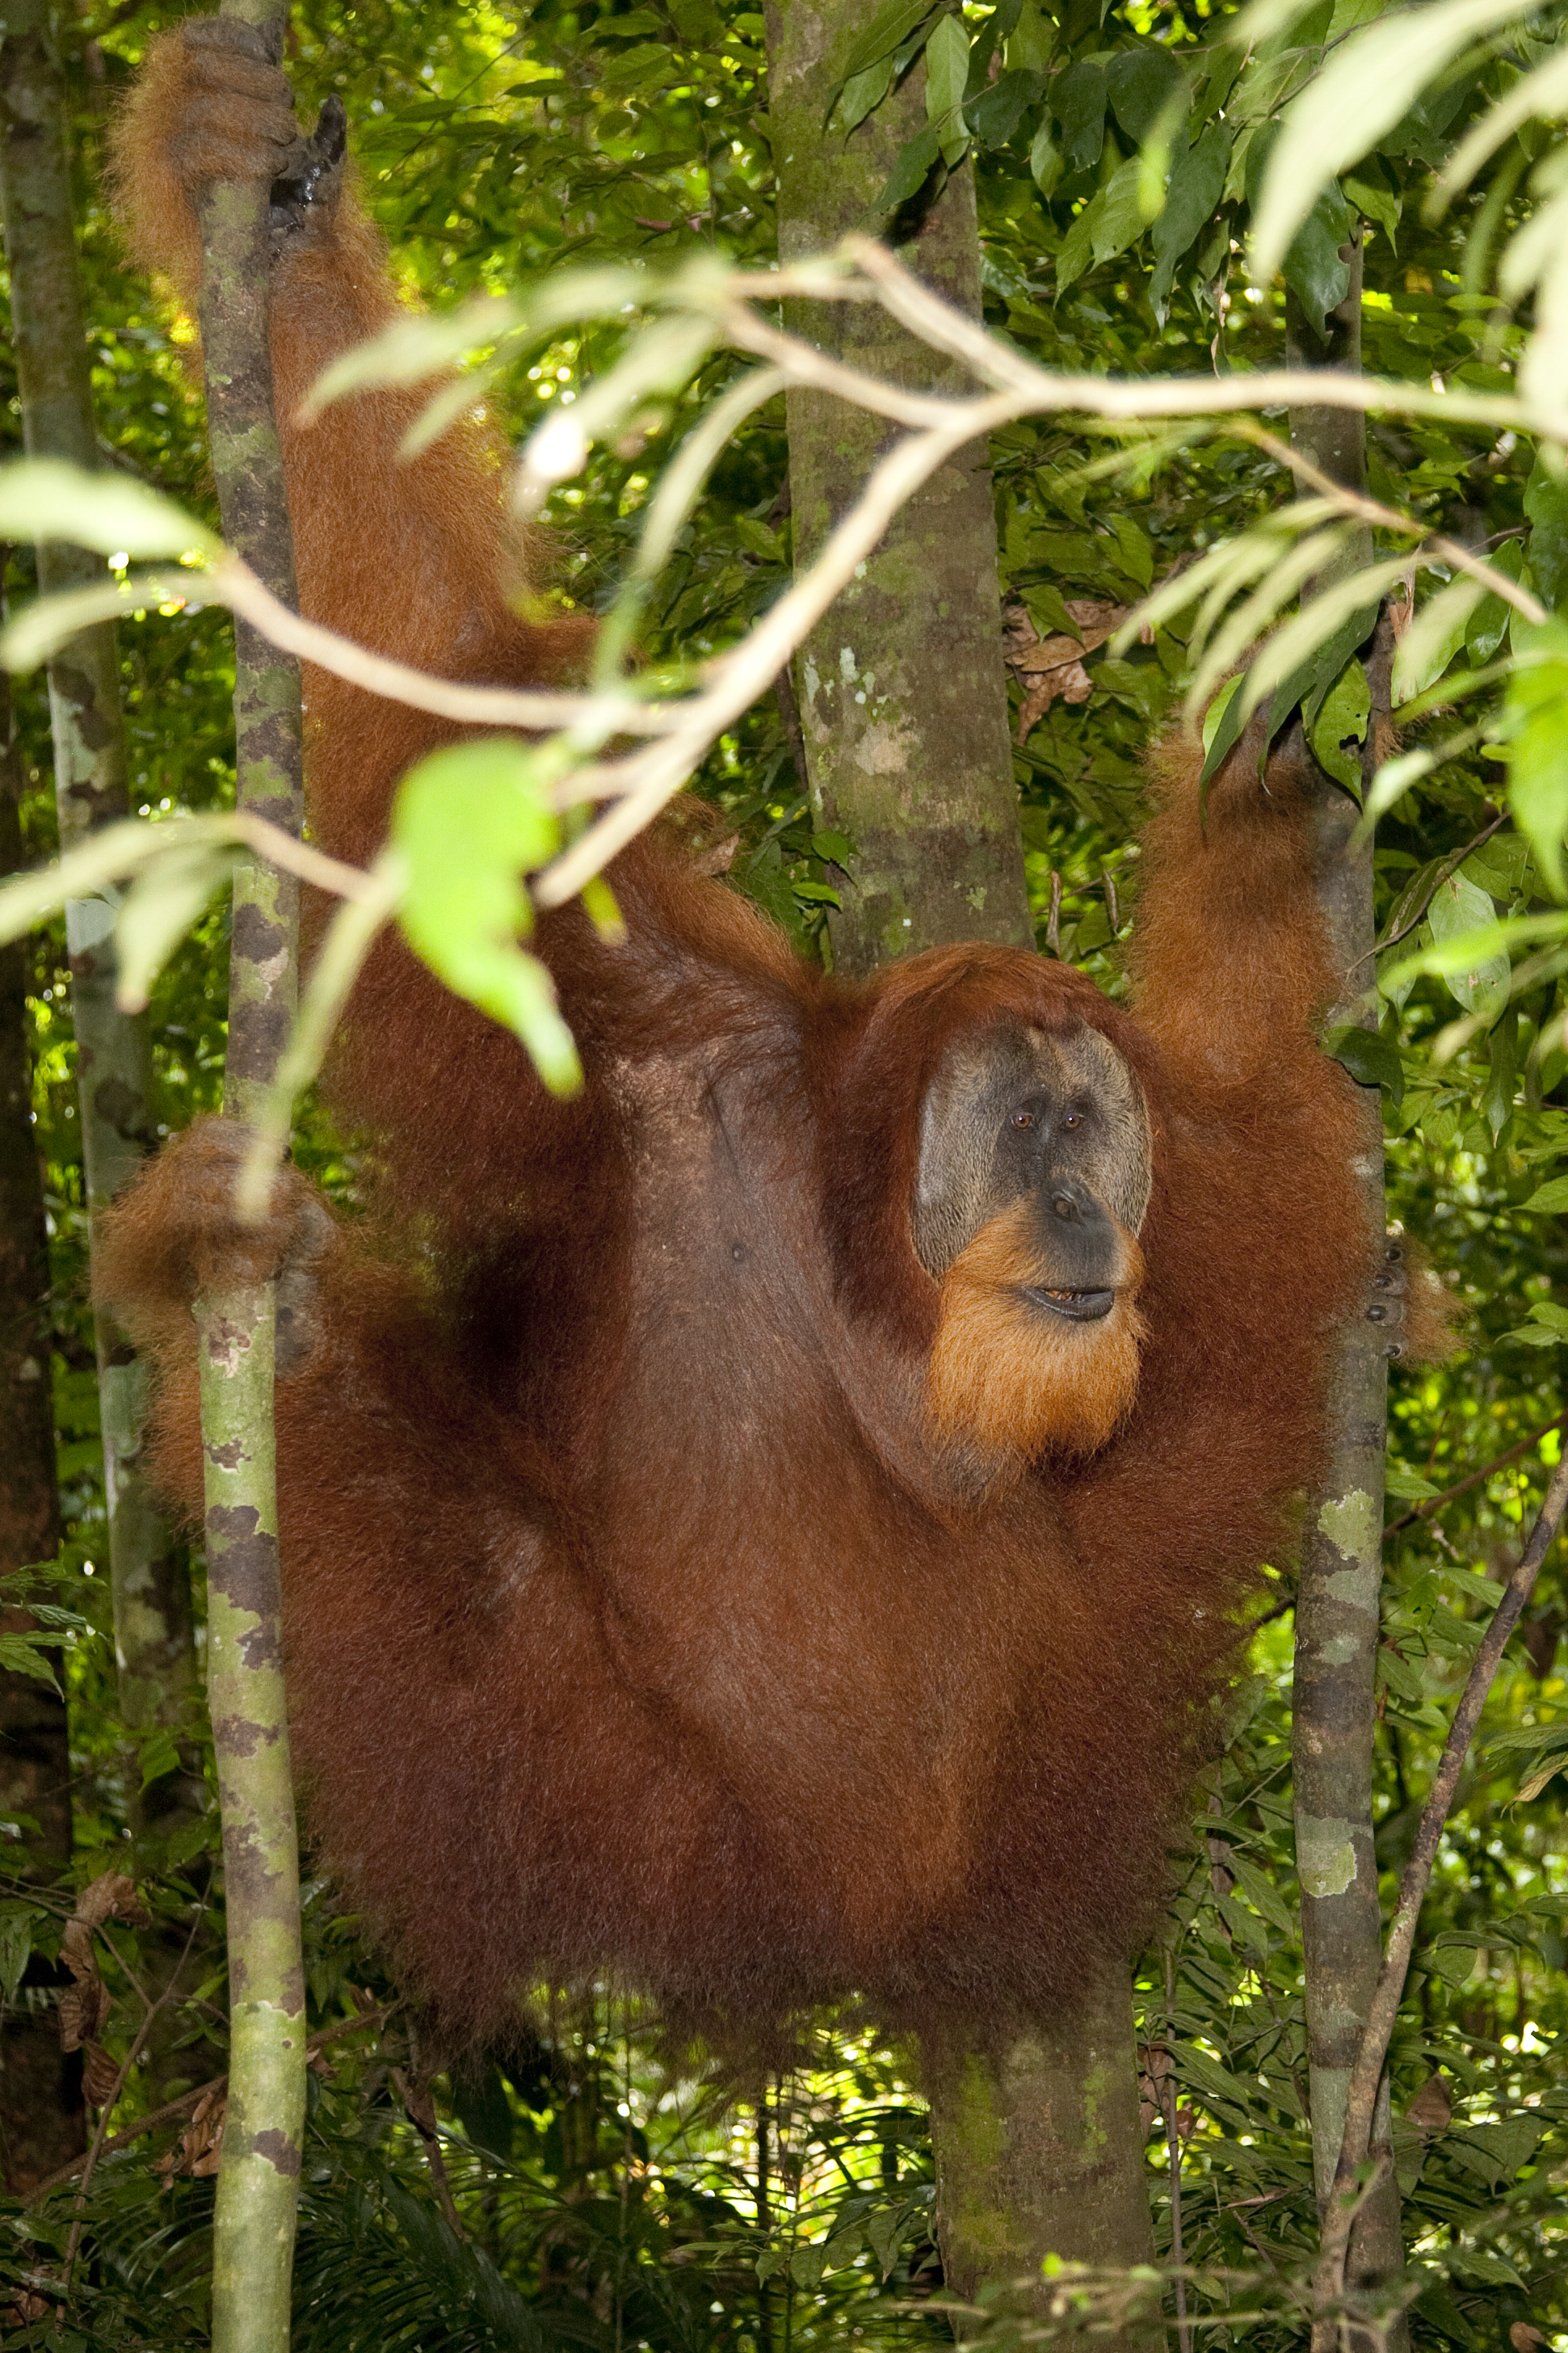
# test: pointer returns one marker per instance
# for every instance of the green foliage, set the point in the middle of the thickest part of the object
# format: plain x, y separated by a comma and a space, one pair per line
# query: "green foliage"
611, 2192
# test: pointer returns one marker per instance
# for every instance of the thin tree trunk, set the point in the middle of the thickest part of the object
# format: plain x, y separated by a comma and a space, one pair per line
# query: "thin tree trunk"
147, 1563
1337, 1606
259, 2178
903, 712
43, 2123
903, 703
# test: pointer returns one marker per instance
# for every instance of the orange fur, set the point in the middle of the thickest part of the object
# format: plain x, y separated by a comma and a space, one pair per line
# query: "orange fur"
1010, 1379
633, 1624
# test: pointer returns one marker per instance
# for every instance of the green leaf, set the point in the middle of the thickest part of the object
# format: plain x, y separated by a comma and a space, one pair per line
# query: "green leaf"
1459, 909
947, 73
1046, 161
1546, 510
166, 899
863, 94
1405, 1486
44, 625
43, 497
888, 29
1112, 221
1434, 637
1535, 714
996, 114
1371, 192
1140, 83
1191, 198
833, 848
1489, 623
1371, 1060
1079, 100
912, 167
1364, 90
15, 1945
1550, 1199
1137, 554
159, 1755
470, 821
1315, 269
1340, 721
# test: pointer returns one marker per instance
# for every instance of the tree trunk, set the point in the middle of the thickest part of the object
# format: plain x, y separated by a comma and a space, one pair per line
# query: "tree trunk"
147, 1563
903, 712
42, 2119
1337, 1604
259, 2176
903, 703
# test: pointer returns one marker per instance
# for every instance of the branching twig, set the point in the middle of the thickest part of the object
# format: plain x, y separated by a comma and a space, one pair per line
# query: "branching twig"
173, 2109
1430, 1503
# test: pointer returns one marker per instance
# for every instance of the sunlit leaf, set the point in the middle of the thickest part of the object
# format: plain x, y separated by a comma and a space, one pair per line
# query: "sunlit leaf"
470, 822
1364, 90
44, 498
1536, 744
1461, 911
1433, 637
167, 897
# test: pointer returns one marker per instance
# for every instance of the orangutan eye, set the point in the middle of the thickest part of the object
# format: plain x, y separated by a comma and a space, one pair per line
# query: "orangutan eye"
1073, 1119
1022, 1119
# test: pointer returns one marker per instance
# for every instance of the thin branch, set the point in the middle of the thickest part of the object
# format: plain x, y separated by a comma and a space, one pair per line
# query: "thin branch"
1435, 545
1430, 1503
1419, 917
173, 2109
149, 2009
1367, 2073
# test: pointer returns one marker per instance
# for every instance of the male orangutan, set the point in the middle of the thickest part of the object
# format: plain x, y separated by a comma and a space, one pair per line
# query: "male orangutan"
773, 1525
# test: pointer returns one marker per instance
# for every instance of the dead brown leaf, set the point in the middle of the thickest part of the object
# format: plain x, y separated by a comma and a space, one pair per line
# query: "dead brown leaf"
197, 2153
1431, 2111
1050, 669
86, 2004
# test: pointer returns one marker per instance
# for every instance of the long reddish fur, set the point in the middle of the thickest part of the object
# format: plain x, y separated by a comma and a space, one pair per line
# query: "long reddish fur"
631, 1626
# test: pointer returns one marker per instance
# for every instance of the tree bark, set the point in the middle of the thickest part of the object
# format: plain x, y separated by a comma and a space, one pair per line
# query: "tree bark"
1337, 1604
903, 710
43, 2123
258, 2176
903, 703
147, 1563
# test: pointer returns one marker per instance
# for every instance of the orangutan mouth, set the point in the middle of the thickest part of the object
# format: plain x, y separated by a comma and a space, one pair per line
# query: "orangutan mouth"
1078, 1307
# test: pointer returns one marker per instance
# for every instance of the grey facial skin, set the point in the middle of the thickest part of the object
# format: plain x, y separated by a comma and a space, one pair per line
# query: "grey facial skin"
1059, 1120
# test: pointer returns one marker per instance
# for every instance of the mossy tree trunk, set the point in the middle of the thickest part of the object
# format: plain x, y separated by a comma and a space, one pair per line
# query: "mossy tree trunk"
148, 1563
1338, 1602
258, 2176
42, 2119
904, 716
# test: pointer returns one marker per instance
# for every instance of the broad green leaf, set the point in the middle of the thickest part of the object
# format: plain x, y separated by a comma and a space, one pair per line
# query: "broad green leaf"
1541, 96
1193, 193
912, 167
1404, 1486
1493, 616
1132, 543
863, 94
1536, 744
947, 73
43, 497
1459, 911
1046, 162
1433, 637
160, 1754
1371, 1060
470, 822
1370, 190
1549, 1201
886, 31
996, 114
1140, 84
1499, 865
167, 897
1338, 721
1364, 90
1079, 100
419, 346
1314, 266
